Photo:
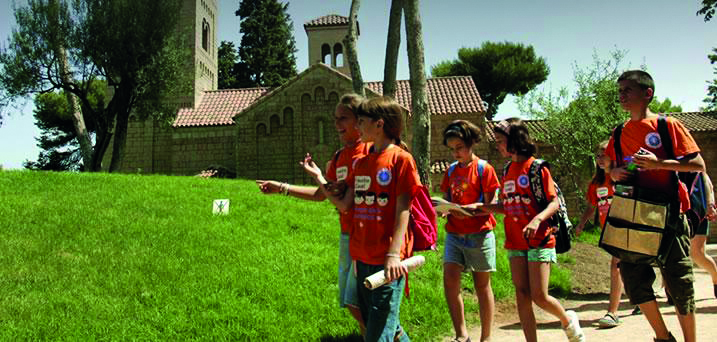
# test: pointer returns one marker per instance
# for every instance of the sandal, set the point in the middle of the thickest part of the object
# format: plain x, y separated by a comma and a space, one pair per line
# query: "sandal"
610, 320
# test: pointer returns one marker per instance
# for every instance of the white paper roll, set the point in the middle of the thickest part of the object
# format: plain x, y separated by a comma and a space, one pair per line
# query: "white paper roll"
377, 279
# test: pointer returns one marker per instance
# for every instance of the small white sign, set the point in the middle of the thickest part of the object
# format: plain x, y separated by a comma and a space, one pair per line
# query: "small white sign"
221, 207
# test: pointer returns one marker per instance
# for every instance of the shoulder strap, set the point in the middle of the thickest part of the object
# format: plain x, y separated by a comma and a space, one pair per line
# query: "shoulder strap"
452, 168
665, 136
336, 155
536, 182
480, 165
616, 143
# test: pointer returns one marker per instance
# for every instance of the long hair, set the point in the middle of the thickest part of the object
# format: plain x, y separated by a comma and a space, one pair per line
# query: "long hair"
599, 176
390, 111
464, 130
517, 137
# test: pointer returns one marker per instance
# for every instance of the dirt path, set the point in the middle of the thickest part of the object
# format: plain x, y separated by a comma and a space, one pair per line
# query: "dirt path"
592, 308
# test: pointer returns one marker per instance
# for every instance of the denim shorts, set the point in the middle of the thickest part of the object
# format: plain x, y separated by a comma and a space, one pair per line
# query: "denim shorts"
347, 277
535, 254
475, 252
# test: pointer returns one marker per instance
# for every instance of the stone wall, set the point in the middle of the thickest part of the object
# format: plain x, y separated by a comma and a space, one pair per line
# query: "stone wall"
195, 148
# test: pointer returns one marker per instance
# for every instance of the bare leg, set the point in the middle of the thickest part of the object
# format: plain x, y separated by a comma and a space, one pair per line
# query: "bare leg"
521, 281
700, 257
688, 325
452, 290
615, 286
356, 313
481, 280
539, 273
654, 317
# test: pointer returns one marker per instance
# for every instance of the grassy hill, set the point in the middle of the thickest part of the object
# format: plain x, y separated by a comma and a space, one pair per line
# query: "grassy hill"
120, 257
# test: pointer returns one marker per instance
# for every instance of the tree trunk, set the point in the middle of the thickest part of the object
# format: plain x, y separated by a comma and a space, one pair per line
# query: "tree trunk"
78, 121
393, 43
419, 105
351, 52
120, 138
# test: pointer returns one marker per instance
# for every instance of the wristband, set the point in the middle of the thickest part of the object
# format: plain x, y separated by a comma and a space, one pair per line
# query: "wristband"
395, 255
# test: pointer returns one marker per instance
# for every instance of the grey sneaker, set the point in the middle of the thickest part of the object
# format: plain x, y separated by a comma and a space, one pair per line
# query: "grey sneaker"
609, 321
573, 330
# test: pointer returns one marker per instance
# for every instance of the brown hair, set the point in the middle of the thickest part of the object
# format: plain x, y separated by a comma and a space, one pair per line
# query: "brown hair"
464, 130
351, 102
517, 137
390, 111
599, 176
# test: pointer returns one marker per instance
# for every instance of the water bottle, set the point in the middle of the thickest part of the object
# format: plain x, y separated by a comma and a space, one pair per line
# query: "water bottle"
626, 187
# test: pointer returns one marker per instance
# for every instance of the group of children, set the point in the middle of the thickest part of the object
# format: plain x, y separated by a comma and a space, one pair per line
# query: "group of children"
375, 235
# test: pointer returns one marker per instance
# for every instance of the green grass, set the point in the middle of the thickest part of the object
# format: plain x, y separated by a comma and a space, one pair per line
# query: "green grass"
131, 257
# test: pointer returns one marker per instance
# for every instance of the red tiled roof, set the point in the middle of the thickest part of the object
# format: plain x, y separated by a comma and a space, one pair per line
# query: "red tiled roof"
532, 125
218, 107
446, 95
328, 20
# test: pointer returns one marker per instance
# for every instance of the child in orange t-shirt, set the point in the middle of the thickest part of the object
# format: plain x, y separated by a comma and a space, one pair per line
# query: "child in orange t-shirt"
599, 197
382, 184
528, 237
338, 170
470, 242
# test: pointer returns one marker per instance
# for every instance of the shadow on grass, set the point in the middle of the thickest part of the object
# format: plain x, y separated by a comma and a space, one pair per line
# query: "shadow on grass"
346, 338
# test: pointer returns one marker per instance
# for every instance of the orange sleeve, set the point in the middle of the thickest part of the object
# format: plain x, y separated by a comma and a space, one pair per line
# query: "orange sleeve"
490, 179
331, 170
548, 184
406, 174
682, 141
592, 194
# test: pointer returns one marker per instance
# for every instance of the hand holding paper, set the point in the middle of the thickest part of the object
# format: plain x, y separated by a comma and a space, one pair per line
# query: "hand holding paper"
378, 279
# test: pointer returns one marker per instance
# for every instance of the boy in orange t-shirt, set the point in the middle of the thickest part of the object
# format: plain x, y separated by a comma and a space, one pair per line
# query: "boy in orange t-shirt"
656, 171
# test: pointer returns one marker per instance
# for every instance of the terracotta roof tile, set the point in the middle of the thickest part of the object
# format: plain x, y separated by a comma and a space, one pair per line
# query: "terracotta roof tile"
445, 95
218, 107
328, 20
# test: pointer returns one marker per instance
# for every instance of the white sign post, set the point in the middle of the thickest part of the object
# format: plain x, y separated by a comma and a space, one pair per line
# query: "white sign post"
221, 207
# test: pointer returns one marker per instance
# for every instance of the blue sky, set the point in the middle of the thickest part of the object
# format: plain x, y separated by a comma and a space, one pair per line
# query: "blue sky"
664, 35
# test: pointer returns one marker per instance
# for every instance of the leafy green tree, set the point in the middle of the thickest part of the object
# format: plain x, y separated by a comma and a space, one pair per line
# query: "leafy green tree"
711, 99
60, 150
131, 44
267, 48
708, 9
497, 69
227, 58
665, 106
576, 123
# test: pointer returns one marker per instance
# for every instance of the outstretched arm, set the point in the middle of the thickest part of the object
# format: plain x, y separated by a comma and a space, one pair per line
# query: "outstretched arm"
309, 193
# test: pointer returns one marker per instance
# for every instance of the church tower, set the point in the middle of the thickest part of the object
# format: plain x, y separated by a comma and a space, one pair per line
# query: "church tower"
198, 28
326, 45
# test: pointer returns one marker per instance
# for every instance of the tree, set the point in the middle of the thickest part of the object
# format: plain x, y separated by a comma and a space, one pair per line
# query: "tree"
131, 44
711, 99
497, 69
351, 50
227, 58
419, 104
575, 124
60, 150
393, 43
708, 9
665, 106
267, 47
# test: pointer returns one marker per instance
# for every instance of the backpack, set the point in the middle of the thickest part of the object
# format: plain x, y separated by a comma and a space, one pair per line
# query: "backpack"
693, 180
422, 221
560, 219
480, 165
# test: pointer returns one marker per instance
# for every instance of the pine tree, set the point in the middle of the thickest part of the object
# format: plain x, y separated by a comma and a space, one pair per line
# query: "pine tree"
267, 46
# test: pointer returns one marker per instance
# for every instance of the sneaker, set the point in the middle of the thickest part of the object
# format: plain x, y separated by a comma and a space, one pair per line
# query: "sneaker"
573, 330
715, 288
458, 339
669, 339
609, 321
636, 310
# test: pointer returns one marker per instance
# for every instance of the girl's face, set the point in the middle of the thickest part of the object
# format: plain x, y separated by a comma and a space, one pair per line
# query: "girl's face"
369, 129
501, 144
460, 151
602, 159
345, 123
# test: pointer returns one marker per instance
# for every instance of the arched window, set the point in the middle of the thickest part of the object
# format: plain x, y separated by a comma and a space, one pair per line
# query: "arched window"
326, 54
320, 130
338, 55
205, 35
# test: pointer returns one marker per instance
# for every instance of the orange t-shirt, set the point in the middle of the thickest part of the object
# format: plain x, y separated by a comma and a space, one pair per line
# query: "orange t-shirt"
643, 133
520, 206
600, 196
340, 170
465, 186
377, 180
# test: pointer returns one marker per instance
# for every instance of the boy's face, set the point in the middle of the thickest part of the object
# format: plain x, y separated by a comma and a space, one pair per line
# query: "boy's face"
632, 96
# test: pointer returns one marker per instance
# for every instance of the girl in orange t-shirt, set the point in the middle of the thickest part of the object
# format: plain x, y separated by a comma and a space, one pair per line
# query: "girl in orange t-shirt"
599, 196
529, 239
382, 184
470, 242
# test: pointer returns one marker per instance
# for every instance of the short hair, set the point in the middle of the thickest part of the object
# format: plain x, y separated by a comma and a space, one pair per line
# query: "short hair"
641, 78
517, 137
351, 102
464, 130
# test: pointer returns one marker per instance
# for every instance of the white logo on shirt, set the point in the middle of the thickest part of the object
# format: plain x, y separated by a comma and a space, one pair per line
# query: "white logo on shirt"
362, 183
342, 173
509, 187
653, 140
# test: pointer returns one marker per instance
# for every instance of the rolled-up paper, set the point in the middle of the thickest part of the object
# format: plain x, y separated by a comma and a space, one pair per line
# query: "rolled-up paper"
378, 279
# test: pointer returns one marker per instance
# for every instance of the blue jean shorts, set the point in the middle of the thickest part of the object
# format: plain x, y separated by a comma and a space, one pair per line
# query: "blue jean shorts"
535, 254
347, 277
475, 252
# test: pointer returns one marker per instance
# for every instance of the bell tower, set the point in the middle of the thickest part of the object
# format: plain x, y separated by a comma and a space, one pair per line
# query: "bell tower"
325, 35
198, 28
